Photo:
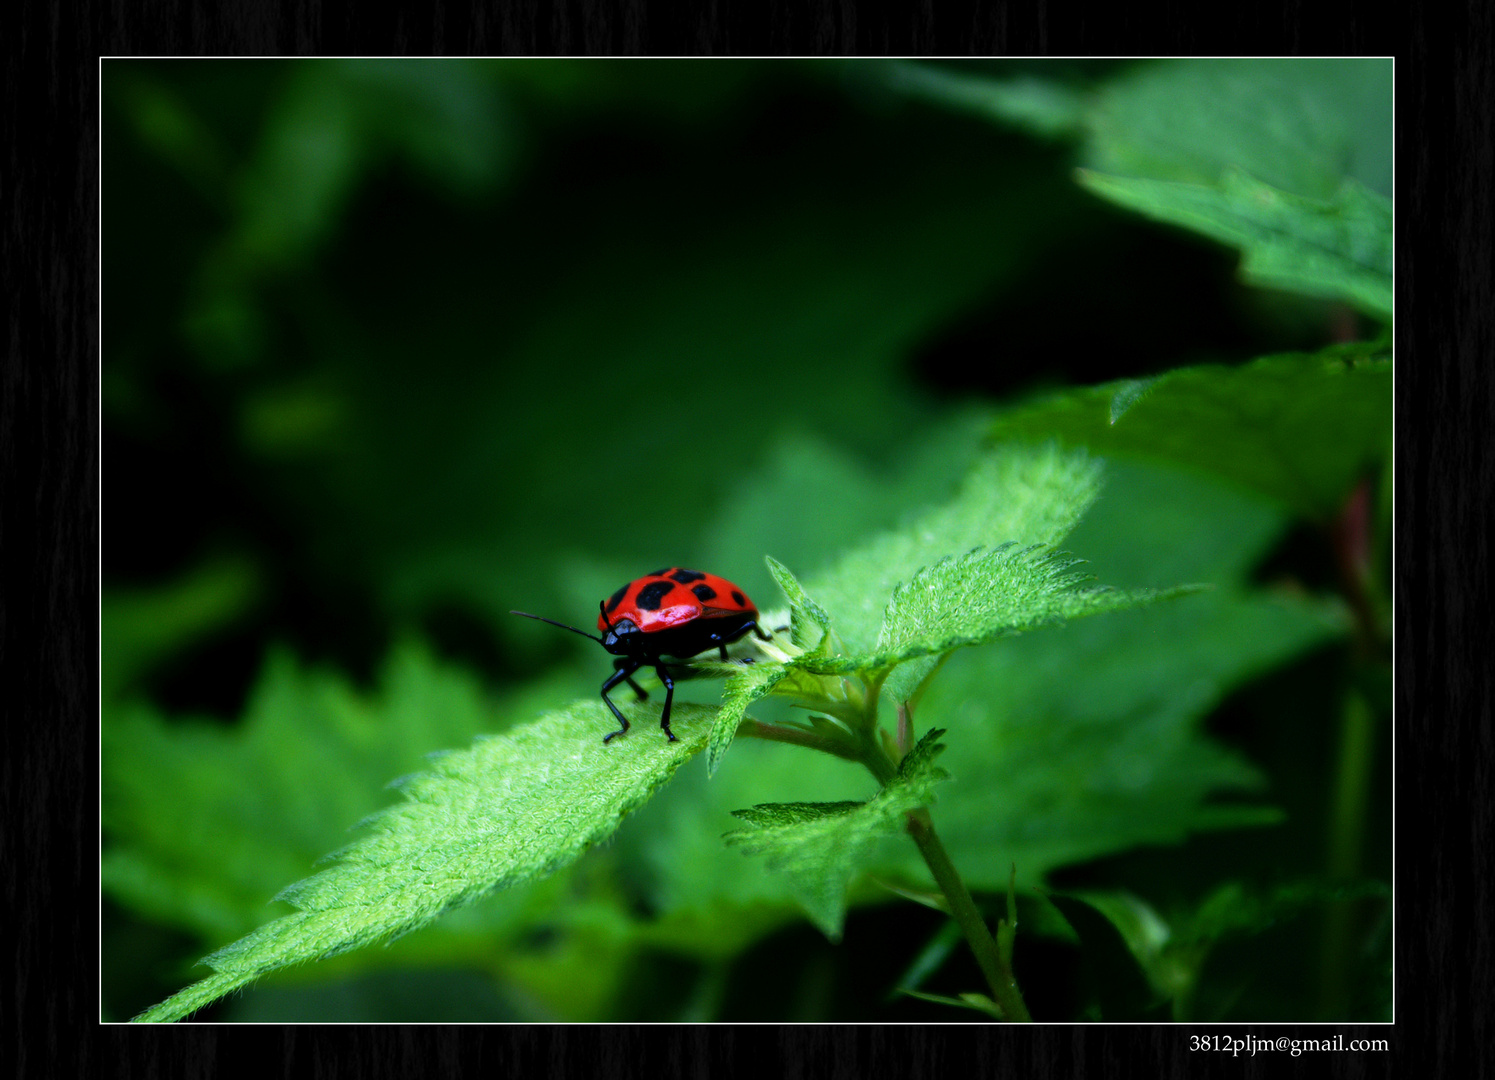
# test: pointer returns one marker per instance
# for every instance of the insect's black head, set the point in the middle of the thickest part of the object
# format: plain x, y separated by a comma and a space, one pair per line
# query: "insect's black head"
623, 638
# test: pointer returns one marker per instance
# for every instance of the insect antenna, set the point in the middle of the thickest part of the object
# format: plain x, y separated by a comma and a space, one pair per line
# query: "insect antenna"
562, 625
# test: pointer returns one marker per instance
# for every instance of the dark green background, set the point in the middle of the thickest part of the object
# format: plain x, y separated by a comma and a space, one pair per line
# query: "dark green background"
390, 348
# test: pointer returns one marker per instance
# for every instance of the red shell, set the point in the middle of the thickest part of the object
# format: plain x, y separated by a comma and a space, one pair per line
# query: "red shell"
673, 597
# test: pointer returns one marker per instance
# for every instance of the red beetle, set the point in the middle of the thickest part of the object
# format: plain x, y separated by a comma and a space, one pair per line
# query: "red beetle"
671, 612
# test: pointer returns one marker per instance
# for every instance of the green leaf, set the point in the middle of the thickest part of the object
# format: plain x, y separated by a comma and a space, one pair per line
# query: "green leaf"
204, 822
745, 686
1031, 493
821, 846
803, 609
1019, 495
1233, 909
1339, 248
978, 597
1298, 428
979, 1002
1114, 974
1089, 739
1288, 160
1301, 125
512, 808
1189, 965
1045, 107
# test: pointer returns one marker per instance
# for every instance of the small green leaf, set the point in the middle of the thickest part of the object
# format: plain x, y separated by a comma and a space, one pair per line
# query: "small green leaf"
1338, 248
982, 595
744, 686
978, 597
802, 608
511, 808
819, 847
1297, 428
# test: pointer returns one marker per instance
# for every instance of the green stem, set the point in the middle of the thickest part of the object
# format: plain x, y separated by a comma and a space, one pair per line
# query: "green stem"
998, 974
1346, 842
989, 957
863, 746
1351, 541
797, 736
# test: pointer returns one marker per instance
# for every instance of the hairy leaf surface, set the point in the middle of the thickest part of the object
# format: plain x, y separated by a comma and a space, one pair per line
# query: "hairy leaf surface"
512, 808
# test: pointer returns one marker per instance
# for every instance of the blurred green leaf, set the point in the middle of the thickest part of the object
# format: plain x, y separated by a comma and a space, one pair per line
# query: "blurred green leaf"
1073, 748
1301, 125
1084, 740
1338, 248
335, 117
1237, 908
1238, 914
1288, 160
142, 626
444, 487
978, 1002
1113, 973
1046, 107
1141, 928
1299, 429
820, 846
206, 822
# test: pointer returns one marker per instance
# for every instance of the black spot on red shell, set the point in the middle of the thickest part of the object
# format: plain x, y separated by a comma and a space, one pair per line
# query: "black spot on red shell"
704, 593
650, 595
739, 598
659, 573
615, 599
685, 577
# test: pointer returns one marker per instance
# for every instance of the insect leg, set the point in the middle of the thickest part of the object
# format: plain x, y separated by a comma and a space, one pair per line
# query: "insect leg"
622, 662
669, 697
625, 671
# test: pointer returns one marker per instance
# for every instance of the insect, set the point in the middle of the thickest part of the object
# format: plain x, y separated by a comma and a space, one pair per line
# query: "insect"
671, 612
